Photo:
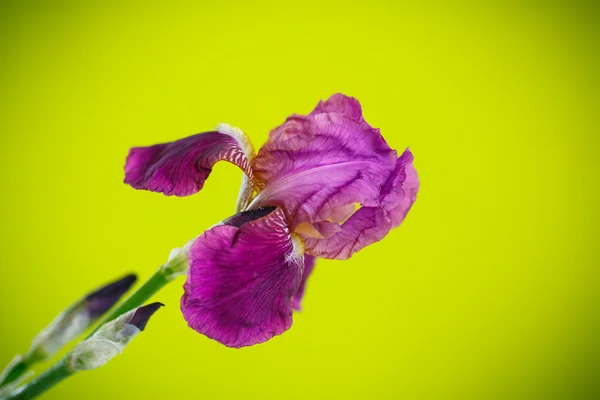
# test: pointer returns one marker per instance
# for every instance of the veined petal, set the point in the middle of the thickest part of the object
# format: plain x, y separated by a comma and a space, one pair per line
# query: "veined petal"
320, 167
344, 161
242, 277
370, 224
297, 132
366, 226
346, 105
180, 168
342, 213
309, 265
400, 191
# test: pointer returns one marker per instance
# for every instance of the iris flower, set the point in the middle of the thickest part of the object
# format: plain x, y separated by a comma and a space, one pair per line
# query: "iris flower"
324, 185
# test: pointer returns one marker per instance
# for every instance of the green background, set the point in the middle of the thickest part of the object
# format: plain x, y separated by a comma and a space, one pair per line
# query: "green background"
488, 290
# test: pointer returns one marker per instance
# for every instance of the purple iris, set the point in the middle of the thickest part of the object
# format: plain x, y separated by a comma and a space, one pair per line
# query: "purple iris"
323, 185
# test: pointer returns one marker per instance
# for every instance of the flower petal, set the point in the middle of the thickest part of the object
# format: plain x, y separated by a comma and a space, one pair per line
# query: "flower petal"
370, 224
346, 105
297, 131
180, 168
320, 167
366, 226
343, 161
242, 277
400, 191
309, 265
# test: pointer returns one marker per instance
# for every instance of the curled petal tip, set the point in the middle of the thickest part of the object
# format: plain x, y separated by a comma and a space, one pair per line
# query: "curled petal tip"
407, 156
180, 168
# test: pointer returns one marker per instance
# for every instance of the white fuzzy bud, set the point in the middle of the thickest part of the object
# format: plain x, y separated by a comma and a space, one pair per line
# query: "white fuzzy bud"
65, 327
110, 339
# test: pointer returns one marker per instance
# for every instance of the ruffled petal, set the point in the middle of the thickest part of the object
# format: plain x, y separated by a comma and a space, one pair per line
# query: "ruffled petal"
400, 191
320, 168
370, 224
180, 168
309, 265
341, 161
243, 275
298, 131
339, 103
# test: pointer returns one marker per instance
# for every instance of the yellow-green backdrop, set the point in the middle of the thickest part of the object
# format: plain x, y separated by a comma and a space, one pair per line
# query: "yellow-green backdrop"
488, 290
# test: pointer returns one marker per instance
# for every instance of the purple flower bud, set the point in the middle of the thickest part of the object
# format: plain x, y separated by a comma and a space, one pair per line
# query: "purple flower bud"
142, 315
100, 301
76, 319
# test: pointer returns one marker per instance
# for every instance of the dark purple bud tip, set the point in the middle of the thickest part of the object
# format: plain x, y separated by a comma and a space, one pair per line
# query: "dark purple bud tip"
142, 315
100, 301
246, 216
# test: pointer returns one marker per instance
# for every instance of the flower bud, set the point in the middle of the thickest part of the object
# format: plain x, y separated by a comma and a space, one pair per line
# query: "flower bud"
110, 339
76, 319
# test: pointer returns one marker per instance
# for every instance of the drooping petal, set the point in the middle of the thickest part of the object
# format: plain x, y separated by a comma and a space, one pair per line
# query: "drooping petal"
180, 168
242, 277
343, 161
309, 265
370, 224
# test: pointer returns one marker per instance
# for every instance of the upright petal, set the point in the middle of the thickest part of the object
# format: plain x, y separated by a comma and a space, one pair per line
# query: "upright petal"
309, 265
180, 168
242, 277
320, 168
339, 103
343, 161
370, 224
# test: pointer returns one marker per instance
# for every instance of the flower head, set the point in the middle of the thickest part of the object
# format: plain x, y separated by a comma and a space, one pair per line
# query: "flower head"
323, 185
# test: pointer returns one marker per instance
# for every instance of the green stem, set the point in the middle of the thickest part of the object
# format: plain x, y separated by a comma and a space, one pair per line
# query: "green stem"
139, 297
43, 382
14, 372
19, 366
